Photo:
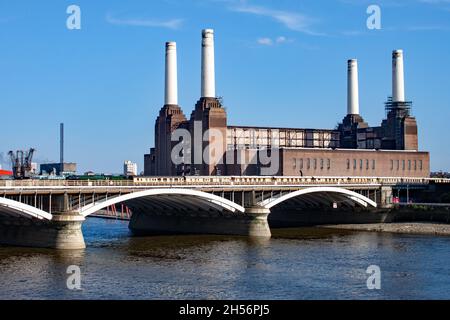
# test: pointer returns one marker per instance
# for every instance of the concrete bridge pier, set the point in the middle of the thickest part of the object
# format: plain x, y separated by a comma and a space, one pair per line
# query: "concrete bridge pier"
62, 232
258, 224
68, 233
386, 198
252, 223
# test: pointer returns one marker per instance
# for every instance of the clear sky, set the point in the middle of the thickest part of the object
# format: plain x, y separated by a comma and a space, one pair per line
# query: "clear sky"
278, 63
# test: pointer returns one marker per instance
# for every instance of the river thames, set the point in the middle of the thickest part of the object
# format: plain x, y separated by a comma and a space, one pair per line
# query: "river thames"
294, 264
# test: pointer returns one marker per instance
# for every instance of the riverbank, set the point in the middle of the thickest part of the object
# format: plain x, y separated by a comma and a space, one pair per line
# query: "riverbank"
438, 229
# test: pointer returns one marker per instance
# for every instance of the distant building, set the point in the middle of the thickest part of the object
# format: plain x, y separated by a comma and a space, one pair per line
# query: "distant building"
440, 174
34, 168
59, 169
130, 168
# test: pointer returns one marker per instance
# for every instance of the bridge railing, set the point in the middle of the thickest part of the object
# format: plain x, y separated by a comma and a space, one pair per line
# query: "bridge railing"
219, 181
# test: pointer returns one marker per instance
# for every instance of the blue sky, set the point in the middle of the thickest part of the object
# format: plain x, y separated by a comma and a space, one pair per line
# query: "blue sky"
278, 63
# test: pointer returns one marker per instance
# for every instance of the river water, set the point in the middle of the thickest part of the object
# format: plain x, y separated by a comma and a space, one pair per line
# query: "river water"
294, 264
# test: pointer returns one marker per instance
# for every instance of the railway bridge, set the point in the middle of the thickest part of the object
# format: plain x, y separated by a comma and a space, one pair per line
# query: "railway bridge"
50, 213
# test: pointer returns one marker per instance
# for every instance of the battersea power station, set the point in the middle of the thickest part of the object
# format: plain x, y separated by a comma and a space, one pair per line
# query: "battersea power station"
205, 144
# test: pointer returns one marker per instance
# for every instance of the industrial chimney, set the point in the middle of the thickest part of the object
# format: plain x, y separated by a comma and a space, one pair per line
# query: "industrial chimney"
171, 88
398, 80
352, 88
61, 144
208, 69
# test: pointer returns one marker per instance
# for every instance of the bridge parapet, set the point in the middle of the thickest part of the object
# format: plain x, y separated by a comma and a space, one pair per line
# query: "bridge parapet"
193, 181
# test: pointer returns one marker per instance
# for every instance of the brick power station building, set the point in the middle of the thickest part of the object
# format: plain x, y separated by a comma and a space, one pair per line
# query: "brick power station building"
352, 149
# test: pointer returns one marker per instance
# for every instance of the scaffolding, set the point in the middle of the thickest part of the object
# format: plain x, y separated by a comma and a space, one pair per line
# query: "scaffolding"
401, 108
398, 111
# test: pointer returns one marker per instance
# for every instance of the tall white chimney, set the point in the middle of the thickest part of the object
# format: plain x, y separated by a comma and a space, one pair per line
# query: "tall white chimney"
171, 89
352, 87
398, 79
208, 69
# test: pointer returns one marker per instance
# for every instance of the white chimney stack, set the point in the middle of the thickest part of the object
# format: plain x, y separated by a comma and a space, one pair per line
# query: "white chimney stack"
398, 78
171, 93
352, 87
208, 69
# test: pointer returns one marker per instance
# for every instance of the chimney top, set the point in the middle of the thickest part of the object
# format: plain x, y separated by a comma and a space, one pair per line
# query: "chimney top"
206, 32
397, 54
171, 44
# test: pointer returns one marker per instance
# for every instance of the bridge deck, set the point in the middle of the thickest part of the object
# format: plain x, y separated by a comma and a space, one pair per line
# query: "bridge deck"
145, 182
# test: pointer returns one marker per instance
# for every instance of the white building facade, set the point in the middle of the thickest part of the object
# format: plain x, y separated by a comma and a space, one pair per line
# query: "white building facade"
130, 168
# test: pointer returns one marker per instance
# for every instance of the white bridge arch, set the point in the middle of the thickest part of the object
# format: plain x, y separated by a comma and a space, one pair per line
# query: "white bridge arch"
15, 208
347, 195
188, 199
179, 198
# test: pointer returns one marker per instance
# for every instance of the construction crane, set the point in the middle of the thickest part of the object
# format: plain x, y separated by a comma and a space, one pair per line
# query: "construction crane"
21, 163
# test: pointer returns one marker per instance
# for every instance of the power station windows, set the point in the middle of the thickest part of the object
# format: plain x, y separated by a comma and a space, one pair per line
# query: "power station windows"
298, 164
314, 164
410, 165
361, 163
358, 164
